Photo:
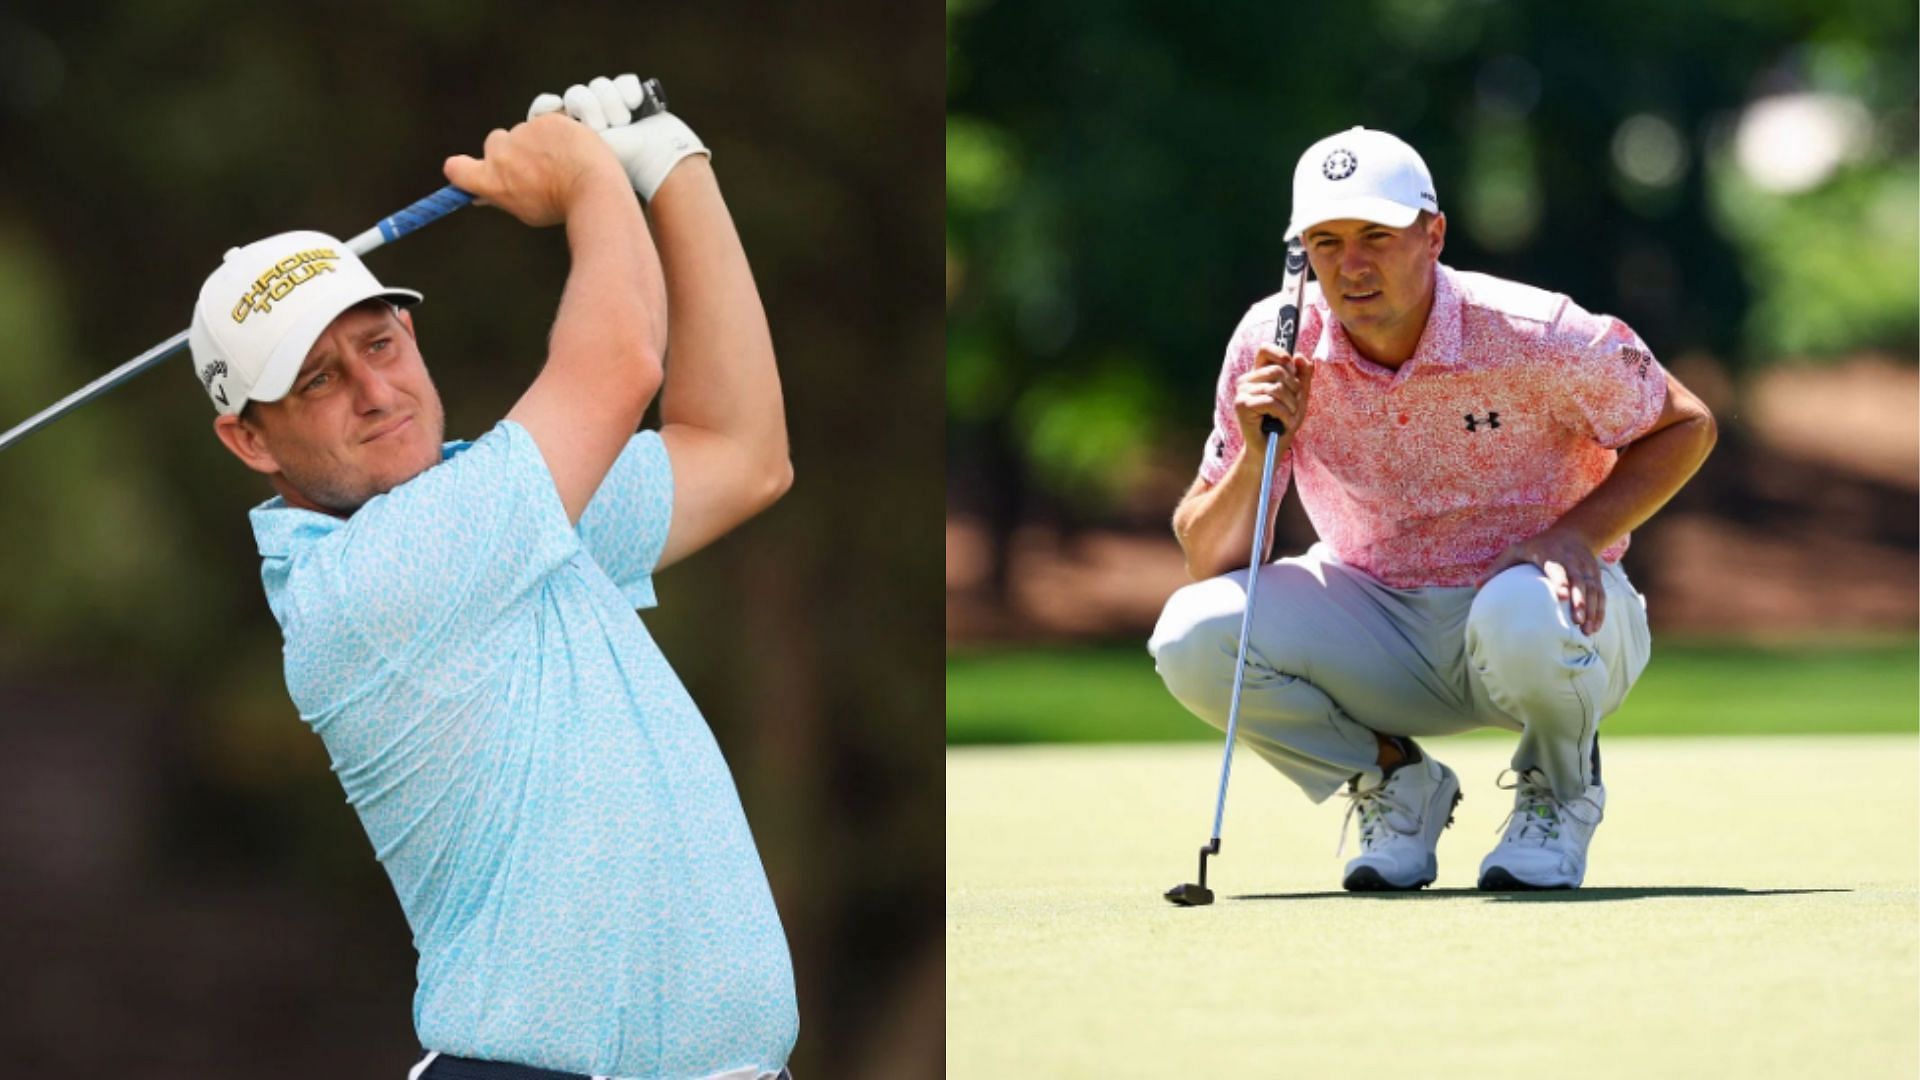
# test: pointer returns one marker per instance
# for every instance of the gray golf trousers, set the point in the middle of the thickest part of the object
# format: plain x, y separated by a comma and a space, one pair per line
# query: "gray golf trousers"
1335, 656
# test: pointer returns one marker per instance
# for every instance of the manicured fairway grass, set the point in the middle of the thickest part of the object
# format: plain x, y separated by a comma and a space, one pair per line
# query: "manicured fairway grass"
1751, 912
1111, 694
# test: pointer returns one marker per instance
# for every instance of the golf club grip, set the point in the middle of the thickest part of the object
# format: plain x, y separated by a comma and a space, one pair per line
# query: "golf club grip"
1286, 324
423, 212
653, 100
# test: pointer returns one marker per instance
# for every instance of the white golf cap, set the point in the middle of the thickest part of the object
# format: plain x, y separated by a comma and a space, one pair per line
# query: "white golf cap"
266, 305
1361, 174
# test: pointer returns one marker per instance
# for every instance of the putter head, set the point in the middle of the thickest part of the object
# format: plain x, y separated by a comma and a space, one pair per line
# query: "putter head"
1190, 895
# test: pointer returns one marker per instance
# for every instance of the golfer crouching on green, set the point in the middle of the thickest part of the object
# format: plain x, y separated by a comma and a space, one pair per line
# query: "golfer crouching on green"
1472, 453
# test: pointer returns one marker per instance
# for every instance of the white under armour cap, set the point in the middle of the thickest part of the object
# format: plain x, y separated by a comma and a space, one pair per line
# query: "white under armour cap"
1362, 174
266, 305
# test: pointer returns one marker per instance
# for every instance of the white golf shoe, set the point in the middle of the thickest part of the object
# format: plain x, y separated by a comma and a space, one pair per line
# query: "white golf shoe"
1545, 846
1400, 823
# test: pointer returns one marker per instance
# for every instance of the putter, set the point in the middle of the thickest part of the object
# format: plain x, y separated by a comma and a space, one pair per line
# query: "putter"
1286, 330
421, 213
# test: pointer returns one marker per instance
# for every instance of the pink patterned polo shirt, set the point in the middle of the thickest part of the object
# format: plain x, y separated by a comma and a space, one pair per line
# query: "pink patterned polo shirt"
1509, 412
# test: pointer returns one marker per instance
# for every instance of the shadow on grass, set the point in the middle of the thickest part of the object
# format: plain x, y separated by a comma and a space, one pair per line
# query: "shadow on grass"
1546, 896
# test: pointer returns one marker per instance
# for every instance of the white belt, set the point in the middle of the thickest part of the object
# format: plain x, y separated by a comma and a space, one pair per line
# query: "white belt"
748, 1073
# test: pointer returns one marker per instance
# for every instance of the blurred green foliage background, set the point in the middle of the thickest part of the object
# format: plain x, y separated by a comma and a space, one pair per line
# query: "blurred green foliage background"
1092, 693
1737, 180
183, 892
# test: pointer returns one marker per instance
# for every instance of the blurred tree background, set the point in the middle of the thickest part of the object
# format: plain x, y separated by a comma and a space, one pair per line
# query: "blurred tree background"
183, 892
1736, 180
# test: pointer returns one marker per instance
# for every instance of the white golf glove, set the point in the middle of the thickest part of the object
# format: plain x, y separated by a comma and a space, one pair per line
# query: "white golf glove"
648, 148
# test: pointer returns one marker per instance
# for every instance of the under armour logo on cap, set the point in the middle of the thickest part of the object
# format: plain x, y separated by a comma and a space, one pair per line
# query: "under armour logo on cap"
1339, 165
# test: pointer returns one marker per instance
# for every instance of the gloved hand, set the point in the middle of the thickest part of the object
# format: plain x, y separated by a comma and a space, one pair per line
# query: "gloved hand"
648, 148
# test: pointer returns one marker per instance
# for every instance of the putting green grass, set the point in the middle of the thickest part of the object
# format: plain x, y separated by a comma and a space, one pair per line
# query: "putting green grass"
1111, 694
1751, 912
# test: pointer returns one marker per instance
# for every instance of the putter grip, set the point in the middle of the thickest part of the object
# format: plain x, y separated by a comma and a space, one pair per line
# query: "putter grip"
1286, 324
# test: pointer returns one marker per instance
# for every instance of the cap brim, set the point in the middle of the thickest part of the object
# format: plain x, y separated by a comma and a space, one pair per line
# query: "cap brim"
288, 356
1366, 208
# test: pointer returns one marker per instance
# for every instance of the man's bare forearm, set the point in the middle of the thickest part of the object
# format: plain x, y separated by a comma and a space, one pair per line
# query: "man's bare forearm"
1649, 472
604, 353
613, 311
1215, 525
721, 376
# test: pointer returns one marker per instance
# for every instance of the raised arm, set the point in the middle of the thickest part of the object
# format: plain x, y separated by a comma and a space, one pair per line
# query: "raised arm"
604, 357
722, 419
721, 412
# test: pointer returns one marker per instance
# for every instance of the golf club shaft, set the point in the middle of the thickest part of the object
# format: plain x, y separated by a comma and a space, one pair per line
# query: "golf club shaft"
432, 208
421, 213
1286, 332
1246, 626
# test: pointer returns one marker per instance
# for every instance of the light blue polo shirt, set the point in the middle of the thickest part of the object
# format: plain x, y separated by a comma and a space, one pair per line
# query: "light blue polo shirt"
556, 818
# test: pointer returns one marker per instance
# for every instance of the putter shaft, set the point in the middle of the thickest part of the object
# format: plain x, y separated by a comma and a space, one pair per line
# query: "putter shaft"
1240, 658
1286, 332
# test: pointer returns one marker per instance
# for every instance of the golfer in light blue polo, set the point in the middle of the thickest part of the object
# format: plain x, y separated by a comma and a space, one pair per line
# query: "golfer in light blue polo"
558, 822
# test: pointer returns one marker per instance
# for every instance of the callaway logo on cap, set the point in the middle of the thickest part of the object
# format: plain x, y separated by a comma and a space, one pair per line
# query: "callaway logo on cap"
266, 305
1361, 174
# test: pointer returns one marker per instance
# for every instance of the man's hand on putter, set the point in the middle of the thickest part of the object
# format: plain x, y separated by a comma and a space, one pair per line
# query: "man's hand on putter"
1571, 568
648, 148
537, 171
1277, 386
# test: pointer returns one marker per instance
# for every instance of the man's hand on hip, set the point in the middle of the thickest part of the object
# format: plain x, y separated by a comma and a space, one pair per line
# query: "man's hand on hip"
1571, 568
648, 148
537, 171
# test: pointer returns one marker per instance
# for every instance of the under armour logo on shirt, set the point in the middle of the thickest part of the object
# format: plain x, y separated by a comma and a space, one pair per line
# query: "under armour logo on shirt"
1474, 422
